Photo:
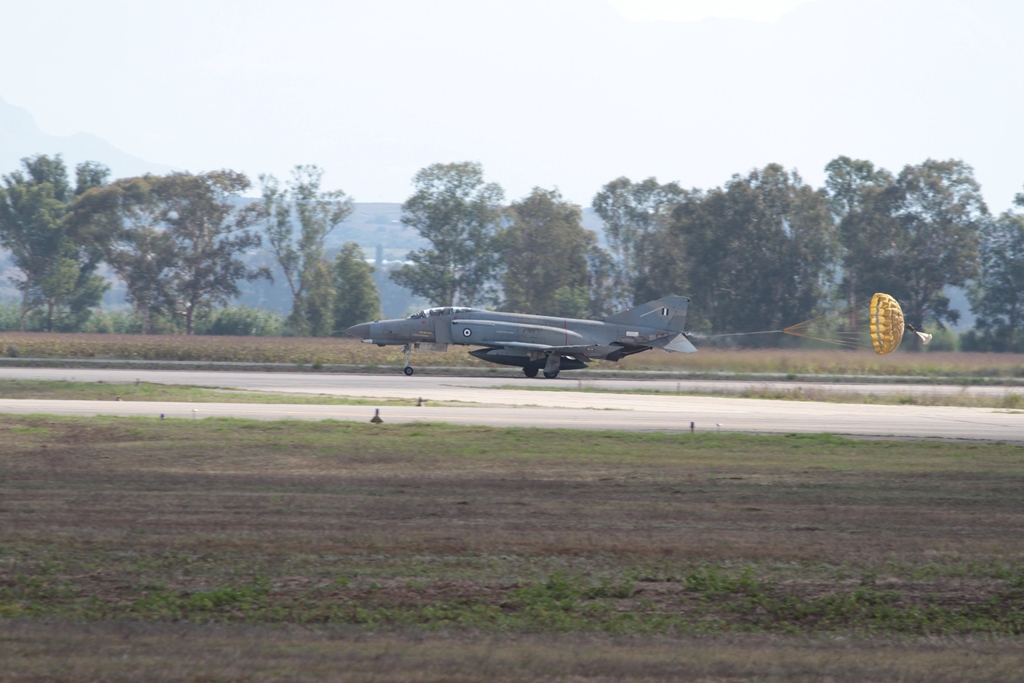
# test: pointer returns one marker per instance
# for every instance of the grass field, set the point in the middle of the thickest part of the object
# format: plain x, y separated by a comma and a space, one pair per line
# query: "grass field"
238, 550
1013, 400
287, 350
326, 351
62, 390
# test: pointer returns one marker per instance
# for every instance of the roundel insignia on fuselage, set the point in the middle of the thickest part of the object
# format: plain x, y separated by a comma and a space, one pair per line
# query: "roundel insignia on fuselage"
466, 332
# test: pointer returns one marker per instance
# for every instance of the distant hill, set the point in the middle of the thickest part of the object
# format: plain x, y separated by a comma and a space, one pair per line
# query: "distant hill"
377, 224
373, 224
20, 137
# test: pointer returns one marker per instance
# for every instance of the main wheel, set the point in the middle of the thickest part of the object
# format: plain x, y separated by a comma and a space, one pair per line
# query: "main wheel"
530, 372
550, 375
408, 371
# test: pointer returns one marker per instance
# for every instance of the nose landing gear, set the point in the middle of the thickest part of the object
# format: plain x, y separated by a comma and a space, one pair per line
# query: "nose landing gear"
408, 368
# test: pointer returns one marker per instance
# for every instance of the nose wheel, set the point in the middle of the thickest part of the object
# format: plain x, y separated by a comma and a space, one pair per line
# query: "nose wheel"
530, 372
408, 368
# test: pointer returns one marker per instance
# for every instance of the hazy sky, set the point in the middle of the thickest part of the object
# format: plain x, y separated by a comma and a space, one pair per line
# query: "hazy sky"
566, 93
696, 10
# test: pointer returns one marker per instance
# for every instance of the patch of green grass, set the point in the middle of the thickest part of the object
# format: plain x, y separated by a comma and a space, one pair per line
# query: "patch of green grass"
705, 601
145, 391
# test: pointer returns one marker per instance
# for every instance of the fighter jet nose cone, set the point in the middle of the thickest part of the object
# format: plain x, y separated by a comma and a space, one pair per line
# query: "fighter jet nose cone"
361, 331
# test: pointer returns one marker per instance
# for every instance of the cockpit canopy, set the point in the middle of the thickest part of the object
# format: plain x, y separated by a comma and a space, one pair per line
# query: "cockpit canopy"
433, 312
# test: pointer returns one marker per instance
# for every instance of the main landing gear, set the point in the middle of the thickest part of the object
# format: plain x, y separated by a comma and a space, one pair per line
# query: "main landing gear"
408, 353
552, 366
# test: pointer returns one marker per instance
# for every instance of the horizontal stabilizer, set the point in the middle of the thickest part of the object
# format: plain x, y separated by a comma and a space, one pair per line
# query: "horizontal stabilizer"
678, 343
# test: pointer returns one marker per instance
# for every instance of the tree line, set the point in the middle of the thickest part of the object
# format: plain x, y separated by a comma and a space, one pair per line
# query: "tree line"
178, 242
762, 251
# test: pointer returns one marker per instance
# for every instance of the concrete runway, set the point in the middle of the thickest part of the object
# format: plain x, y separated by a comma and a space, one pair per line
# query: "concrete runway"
507, 407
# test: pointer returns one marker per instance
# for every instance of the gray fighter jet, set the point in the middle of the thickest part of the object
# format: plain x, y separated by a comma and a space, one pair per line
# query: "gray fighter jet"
535, 342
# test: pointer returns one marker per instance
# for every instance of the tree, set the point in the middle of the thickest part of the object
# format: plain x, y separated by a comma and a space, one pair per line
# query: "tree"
356, 298
459, 214
174, 239
997, 297
846, 181
122, 221
666, 269
914, 236
544, 253
846, 185
209, 228
301, 256
632, 214
319, 301
57, 269
601, 297
758, 252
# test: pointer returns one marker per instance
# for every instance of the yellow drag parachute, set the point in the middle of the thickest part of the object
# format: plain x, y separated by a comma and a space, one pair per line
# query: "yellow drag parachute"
882, 330
885, 323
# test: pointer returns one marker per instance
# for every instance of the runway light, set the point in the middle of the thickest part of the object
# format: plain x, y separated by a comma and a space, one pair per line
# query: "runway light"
376, 418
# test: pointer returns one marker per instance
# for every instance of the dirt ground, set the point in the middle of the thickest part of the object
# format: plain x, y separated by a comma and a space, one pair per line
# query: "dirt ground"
188, 652
234, 550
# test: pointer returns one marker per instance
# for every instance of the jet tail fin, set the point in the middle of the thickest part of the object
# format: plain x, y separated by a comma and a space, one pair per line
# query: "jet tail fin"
667, 313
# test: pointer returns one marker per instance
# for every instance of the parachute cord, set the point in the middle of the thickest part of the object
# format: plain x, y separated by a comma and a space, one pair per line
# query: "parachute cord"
697, 335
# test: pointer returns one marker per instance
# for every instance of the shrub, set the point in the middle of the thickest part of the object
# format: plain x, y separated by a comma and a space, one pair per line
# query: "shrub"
112, 322
241, 321
10, 314
943, 339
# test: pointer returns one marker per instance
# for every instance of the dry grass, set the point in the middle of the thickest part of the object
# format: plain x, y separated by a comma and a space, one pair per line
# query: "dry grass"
834, 362
289, 350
